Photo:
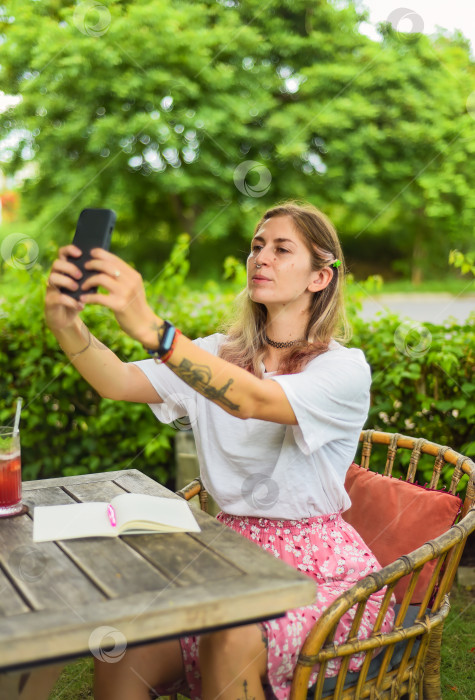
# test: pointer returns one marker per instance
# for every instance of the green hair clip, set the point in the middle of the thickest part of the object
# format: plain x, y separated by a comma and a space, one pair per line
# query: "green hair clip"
336, 263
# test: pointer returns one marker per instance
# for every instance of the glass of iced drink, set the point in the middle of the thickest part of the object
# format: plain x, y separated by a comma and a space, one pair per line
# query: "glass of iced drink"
10, 472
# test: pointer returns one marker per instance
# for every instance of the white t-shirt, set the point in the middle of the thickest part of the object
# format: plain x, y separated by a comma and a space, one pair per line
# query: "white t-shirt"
258, 468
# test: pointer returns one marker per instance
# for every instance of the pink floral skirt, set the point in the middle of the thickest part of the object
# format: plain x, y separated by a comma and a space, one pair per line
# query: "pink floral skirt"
331, 552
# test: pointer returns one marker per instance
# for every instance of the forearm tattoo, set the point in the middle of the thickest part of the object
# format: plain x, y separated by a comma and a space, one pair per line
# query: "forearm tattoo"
199, 377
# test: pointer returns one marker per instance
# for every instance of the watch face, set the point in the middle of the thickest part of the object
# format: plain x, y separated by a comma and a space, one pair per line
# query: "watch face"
167, 338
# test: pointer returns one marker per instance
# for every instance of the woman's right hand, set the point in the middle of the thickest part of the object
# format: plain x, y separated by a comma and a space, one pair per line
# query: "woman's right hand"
61, 310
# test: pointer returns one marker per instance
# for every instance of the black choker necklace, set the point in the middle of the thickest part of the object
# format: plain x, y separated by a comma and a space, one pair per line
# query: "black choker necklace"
281, 345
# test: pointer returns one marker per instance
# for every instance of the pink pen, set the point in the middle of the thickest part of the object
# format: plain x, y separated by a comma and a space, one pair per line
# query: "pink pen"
111, 514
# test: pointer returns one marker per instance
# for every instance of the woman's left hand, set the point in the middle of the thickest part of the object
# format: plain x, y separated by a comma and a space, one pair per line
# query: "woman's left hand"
126, 295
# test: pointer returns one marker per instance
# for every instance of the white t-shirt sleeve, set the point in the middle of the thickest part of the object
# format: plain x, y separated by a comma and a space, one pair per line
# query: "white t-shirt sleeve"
330, 398
178, 398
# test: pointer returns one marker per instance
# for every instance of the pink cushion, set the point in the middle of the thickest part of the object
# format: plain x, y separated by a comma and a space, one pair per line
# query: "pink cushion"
395, 517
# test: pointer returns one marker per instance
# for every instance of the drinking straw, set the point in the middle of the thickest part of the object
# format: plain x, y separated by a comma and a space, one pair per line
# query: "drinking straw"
16, 426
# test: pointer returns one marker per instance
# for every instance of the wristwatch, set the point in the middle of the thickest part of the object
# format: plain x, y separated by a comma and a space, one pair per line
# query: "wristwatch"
166, 336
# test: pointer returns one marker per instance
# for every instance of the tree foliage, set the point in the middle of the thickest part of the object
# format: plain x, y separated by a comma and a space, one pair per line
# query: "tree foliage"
191, 116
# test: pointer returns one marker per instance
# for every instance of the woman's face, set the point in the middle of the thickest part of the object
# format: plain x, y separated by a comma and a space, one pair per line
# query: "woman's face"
285, 275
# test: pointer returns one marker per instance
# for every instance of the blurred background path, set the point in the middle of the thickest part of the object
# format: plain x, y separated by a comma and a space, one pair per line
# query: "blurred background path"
434, 308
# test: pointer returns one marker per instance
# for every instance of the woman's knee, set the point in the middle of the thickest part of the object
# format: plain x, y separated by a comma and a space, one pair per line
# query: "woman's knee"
239, 647
139, 669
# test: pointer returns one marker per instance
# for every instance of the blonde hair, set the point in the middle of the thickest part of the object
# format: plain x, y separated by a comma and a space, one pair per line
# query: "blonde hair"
245, 343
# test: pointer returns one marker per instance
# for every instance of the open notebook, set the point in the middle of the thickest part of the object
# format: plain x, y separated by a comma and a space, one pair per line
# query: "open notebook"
127, 514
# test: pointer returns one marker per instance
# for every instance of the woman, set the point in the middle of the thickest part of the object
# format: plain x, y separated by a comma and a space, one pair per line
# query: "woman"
276, 403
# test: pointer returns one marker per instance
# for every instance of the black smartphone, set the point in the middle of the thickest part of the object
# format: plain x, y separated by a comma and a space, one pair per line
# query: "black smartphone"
93, 230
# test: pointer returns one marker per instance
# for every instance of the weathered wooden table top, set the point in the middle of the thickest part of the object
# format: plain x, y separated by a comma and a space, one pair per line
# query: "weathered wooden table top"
56, 596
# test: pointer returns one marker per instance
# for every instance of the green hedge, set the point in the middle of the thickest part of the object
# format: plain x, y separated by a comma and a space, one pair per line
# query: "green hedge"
423, 377
66, 428
423, 381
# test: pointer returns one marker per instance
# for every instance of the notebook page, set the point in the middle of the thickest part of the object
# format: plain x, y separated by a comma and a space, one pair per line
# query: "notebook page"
71, 521
140, 508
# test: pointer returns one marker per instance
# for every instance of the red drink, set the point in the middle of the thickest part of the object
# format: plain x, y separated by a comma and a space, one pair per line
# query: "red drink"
10, 473
10, 480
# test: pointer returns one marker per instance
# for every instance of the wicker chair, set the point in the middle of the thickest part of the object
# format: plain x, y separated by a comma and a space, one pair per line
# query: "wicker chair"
409, 658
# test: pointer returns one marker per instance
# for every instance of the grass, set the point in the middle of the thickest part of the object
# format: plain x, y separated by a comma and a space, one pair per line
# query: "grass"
457, 671
75, 682
458, 650
449, 285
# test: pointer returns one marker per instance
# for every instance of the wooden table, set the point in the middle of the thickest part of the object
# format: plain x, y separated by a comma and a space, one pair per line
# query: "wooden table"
55, 596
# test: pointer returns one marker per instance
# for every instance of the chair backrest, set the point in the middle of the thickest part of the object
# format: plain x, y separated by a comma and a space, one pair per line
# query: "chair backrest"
394, 517
428, 464
412, 671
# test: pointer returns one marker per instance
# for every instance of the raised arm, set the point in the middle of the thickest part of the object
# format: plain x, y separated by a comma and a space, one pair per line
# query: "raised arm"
238, 392
100, 367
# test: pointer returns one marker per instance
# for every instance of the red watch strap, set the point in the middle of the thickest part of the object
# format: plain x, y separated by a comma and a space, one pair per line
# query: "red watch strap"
167, 356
